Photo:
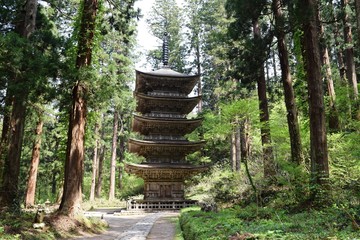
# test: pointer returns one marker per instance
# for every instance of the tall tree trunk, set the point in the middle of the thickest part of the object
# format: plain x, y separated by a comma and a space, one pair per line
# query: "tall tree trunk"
233, 151
237, 149
334, 123
339, 52
349, 52
98, 186
199, 85
121, 149
113, 156
35, 159
95, 163
318, 142
357, 10
244, 139
9, 195
74, 162
290, 103
268, 158
5, 134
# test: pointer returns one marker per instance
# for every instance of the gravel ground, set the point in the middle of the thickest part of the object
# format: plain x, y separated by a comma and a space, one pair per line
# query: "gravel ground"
141, 226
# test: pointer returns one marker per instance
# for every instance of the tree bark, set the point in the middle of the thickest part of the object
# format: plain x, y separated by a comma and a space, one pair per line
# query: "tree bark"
9, 195
289, 95
349, 52
95, 163
35, 159
318, 141
233, 151
199, 85
334, 123
357, 10
98, 186
74, 162
121, 149
5, 134
113, 156
237, 149
268, 158
244, 140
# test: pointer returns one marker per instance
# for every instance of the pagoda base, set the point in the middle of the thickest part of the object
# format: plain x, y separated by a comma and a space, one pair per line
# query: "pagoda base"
158, 205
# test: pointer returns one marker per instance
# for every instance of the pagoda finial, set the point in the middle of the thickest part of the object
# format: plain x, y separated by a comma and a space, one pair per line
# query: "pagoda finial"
165, 49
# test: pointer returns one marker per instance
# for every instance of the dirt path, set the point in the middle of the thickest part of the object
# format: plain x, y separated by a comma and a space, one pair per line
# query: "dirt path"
143, 226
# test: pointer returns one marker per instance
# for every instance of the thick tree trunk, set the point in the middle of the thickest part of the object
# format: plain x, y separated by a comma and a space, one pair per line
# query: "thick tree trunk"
290, 103
33, 172
319, 152
74, 162
349, 53
95, 163
268, 158
113, 156
9, 194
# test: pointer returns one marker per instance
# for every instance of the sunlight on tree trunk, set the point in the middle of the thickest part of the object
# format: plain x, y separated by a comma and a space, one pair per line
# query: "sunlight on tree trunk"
113, 156
289, 95
35, 159
74, 163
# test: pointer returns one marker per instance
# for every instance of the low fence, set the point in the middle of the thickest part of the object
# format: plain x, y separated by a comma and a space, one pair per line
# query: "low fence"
159, 205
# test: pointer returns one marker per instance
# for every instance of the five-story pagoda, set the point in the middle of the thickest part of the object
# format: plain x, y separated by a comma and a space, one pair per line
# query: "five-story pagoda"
162, 108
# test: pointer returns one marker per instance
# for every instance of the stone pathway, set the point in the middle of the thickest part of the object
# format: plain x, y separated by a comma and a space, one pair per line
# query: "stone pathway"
142, 226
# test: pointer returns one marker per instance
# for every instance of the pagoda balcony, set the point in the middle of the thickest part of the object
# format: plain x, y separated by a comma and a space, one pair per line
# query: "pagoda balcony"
171, 115
166, 80
165, 172
164, 126
164, 138
180, 105
164, 149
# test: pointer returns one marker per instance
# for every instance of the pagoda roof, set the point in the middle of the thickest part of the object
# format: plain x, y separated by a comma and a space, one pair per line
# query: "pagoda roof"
168, 172
165, 79
175, 149
182, 105
164, 126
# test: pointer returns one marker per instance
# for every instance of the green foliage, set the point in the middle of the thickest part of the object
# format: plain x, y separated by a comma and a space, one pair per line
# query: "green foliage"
267, 223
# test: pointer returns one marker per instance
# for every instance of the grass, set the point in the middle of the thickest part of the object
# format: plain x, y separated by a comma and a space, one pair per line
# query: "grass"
178, 232
263, 223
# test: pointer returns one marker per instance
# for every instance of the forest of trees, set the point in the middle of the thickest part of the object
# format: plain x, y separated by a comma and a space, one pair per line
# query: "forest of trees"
279, 86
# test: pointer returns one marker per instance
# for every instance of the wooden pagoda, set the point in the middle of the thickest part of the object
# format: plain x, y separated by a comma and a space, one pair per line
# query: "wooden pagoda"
163, 104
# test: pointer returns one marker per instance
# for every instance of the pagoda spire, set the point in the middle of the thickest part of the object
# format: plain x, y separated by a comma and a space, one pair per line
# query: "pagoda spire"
165, 48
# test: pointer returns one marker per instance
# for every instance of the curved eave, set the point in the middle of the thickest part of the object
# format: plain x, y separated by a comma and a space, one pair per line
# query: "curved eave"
146, 104
151, 125
166, 80
165, 143
164, 148
164, 171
